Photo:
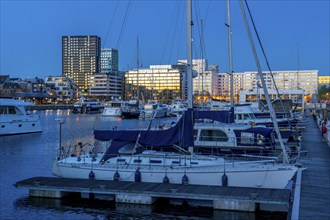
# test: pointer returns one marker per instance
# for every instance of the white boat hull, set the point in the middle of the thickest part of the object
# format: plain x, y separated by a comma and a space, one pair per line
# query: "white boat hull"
239, 174
112, 112
19, 124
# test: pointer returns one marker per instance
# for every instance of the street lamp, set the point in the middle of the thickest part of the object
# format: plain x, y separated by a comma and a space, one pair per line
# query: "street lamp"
60, 121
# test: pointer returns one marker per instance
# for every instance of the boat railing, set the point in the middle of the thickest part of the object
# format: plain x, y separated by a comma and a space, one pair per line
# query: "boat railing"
78, 150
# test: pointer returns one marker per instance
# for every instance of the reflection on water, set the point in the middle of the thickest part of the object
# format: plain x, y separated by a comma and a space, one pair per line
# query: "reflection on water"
74, 207
31, 155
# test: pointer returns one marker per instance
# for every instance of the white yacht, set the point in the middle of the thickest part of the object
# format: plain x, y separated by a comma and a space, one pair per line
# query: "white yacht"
114, 108
154, 109
15, 120
87, 106
177, 107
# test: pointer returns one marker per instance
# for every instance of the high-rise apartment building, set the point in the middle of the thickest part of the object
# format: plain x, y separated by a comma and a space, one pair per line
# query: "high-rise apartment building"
81, 58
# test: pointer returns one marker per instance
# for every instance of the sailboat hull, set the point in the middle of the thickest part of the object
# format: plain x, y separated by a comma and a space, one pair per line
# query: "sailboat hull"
246, 174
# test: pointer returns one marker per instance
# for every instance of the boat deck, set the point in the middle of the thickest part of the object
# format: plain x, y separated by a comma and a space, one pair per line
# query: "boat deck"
315, 183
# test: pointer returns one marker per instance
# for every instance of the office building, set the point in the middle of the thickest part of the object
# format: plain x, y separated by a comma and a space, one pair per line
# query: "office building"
106, 86
163, 83
205, 79
108, 83
109, 60
324, 80
81, 59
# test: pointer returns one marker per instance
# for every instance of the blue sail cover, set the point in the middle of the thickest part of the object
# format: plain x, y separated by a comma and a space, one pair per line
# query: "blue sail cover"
181, 134
224, 116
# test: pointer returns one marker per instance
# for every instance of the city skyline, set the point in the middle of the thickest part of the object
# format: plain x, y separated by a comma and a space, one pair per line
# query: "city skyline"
295, 34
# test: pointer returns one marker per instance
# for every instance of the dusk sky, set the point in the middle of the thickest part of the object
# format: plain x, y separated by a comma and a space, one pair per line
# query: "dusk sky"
295, 34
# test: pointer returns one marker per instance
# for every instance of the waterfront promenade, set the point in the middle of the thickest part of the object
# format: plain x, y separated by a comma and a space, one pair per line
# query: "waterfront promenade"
315, 184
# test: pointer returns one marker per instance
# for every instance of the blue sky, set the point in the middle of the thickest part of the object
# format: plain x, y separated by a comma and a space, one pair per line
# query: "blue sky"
295, 34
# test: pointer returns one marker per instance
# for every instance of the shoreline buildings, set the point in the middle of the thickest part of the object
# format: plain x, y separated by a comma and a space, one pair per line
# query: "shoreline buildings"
291, 84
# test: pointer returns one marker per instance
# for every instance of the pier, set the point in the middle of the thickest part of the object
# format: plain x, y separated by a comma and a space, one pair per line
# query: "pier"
315, 180
217, 197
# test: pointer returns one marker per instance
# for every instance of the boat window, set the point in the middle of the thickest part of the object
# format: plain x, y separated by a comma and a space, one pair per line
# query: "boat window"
155, 161
247, 138
33, 125
194, 163
246, 116
20, 125
121, 160
195, 134
3, 110
11, 110
2, 126
175, 162
213, 135
137, 161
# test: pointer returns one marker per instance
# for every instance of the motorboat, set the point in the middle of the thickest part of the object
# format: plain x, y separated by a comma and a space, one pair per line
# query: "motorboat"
243, 114
131, 110
114, 108
153, 109
87, 106
15, 120
177, 107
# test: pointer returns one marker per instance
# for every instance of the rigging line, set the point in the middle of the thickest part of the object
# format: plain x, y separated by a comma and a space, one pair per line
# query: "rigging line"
114, 14
176, 26
197, 12
201, 28
169, 30
266, 59
123, 25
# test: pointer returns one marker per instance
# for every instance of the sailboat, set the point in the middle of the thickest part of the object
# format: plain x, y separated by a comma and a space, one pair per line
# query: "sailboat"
166, 156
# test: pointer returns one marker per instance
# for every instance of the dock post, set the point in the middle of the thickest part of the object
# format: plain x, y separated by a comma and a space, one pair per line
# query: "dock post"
135, 199
46, 193
234, 205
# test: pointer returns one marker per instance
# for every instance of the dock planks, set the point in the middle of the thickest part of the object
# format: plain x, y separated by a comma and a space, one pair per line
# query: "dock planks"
159, 190
315, 184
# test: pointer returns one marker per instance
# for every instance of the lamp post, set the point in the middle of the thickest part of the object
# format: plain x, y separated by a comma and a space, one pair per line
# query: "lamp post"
60, 121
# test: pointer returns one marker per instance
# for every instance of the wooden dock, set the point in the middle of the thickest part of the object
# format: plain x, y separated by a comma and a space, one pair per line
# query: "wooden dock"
315, 181
224, 198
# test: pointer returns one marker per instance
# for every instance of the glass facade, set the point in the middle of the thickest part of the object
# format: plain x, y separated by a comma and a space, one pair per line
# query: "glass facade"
162, 83
109, 60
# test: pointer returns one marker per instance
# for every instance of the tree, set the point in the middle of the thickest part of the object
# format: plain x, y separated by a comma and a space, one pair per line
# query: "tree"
324, 93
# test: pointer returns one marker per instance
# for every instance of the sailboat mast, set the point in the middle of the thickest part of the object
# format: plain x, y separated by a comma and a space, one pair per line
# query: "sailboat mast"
189, 54
231, 72
137, 66
270, 106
